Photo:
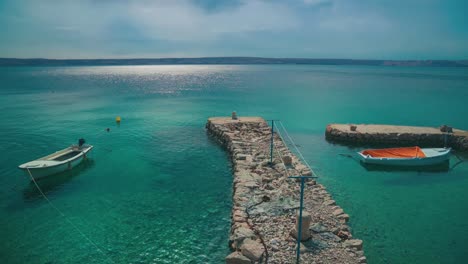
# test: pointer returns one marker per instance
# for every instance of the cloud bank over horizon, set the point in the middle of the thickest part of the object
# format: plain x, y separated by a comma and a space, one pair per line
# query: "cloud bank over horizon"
366, 29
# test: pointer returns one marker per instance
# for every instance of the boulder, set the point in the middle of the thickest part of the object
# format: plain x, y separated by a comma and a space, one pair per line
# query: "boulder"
287, 160
305, 232
237, 258
344, 217
338, 211
353, 243
252, 249
319, 228
240, 234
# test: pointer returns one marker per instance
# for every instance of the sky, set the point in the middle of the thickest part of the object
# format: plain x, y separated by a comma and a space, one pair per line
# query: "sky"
351, 29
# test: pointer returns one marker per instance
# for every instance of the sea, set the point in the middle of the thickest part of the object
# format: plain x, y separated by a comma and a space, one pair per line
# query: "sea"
157, 189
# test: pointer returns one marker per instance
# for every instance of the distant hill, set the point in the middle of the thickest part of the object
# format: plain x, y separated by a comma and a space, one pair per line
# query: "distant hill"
228, 60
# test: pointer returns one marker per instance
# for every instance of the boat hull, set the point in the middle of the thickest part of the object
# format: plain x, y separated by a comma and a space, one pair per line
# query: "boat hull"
41, 172
443, 156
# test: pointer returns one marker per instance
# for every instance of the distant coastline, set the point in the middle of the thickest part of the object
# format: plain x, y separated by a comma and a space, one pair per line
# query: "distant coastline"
229, 60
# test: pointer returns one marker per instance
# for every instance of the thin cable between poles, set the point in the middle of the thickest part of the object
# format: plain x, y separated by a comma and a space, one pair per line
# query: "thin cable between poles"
297, 149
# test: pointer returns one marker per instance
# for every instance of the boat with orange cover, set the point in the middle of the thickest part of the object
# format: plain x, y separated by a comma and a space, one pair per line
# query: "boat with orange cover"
406, 156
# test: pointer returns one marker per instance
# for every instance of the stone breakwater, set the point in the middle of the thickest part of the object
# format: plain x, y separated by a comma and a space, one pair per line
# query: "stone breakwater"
396, 135
265, 202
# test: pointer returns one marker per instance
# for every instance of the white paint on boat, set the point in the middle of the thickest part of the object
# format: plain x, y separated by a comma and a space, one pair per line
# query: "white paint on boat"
59, 161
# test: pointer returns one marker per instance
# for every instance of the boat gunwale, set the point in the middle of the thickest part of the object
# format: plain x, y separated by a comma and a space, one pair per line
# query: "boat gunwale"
445, 151
87, 149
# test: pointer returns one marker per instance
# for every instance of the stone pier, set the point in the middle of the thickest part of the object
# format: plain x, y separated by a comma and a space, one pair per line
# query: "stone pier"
397, 135
265, 201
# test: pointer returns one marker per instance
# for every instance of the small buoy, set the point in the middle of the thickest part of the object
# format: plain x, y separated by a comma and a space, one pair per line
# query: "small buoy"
117, 119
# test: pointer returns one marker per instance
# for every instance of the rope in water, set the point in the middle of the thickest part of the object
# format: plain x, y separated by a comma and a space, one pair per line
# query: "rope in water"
67, 219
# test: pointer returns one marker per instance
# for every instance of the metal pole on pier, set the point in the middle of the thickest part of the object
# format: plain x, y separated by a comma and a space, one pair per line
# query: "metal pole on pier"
271, 140
299, 228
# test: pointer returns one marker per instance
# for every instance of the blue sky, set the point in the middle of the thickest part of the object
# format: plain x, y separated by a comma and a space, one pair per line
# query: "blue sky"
359, 29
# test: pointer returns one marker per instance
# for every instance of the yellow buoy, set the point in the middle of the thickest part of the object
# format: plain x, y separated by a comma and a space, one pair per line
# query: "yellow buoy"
117, 119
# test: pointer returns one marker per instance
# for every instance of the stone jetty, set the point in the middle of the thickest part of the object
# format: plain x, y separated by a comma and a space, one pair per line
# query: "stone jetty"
265, 202
397, 135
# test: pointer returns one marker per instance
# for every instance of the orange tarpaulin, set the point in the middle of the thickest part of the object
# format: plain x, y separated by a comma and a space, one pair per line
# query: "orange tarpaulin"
410, 152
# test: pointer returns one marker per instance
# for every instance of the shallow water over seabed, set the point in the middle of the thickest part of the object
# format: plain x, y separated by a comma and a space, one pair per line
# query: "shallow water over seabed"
157, 189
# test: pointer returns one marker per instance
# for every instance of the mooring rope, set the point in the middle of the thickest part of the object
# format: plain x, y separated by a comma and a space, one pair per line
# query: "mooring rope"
351, 156
460, 161
67, 219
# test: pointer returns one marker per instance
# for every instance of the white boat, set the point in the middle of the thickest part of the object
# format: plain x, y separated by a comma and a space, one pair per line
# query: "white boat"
407, 156
59, 161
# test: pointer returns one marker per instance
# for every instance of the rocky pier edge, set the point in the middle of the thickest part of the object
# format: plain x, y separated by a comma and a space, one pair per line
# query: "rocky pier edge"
363, 134
265, 202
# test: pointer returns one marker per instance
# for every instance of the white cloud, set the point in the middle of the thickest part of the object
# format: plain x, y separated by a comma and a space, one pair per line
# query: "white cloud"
345, 18
181, 20
178, 20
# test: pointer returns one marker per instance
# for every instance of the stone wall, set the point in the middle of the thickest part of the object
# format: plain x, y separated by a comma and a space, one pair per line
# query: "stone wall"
265, 202
396, 136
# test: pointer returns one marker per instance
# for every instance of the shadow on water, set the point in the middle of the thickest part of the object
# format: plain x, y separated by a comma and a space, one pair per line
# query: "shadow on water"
54, 182
413, 176
442, 167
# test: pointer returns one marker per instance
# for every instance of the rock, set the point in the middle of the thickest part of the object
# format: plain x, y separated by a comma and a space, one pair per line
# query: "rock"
344, 217
303, 249
338, 212
353, 243
329, 202
305, 232
446, 129
330, 236
241, 156
242, 233
344, 234
319, 243
274, 241
287, 160
362, 259
251, 184
252, 249
319, 228
274, 248
237, 258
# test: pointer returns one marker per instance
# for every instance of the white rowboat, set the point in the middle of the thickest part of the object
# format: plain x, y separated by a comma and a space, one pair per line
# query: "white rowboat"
57, 162
410, 156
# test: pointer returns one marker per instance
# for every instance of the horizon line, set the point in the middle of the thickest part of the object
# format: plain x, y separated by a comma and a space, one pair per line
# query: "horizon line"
233, 57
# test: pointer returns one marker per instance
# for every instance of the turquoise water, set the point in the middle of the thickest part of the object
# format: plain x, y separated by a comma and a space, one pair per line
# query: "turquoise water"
158, 190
